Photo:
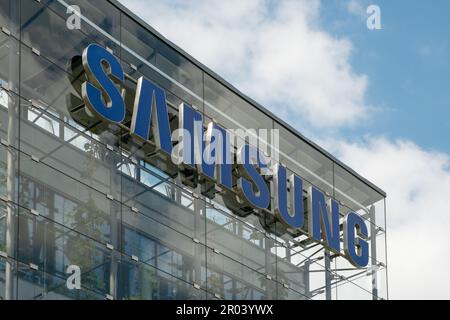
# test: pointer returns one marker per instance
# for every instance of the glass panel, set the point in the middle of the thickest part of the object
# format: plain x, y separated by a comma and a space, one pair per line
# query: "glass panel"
210, 296
316, 281
232, 112
8, 279
45, 31
160, 63
232, 280
354, 290
9, 102
179, 69
101, 15
8, 173
31, 283
67, 201
291, 272
240, 242
140, 281
42, 81
139, 43
38, 285
380, 219
51, 248
305, 161
224, 105
68, 150
166, 203
8, 219
100, 22
162, 247
9, 67
175, 94
352, 191
225, 203
49, 86
9, 15
284, 293
8, 228
353, 283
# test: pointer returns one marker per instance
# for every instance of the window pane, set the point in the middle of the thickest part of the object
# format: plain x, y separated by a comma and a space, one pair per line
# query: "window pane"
101, 15
49, 86
9, 67
305, 161
39, 285
166, 203
140, 281
290, 273
162, 247
233, 112
67, 201
355, 194
232, 280
8, 173
240, 242
160, 63
8, 280
9, 15
51, 248
46, 31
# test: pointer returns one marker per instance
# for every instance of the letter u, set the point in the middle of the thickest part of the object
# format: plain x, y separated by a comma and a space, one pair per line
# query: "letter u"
295, 220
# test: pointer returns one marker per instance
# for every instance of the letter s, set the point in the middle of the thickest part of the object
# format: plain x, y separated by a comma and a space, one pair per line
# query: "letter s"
102, 68
249, 159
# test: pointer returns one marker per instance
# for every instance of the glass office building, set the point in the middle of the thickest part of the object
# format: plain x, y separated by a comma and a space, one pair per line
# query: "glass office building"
83, 200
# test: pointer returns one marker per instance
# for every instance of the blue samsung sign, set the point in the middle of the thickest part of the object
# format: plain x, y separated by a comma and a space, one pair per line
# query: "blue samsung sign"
103, 98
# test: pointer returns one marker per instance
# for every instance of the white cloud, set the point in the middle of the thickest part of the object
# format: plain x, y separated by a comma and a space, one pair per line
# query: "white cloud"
274, 51
418, 185
356, 8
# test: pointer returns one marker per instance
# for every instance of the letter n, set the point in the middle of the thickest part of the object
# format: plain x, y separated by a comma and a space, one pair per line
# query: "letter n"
323, 220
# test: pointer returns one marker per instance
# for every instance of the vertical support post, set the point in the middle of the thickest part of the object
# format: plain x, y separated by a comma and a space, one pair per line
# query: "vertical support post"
200, 234
328, 275
112, 159
373, 252
268, 267
288, 252
306, 279
11, 230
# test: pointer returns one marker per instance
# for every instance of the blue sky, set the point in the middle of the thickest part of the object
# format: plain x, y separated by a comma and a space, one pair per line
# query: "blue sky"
408, 64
